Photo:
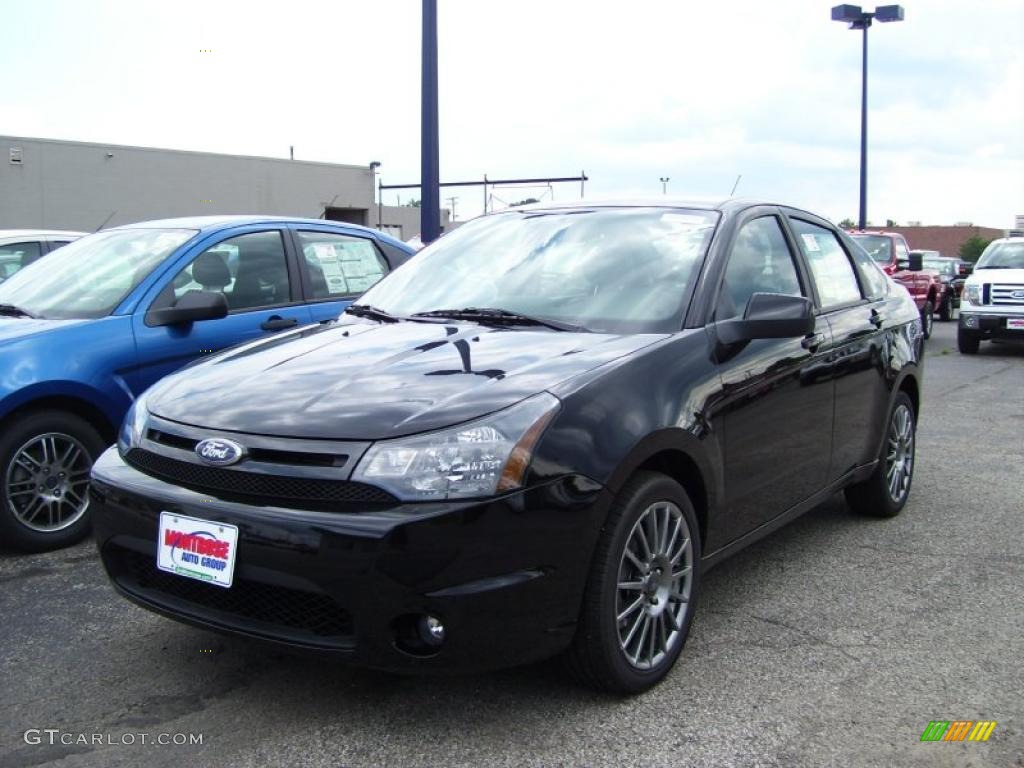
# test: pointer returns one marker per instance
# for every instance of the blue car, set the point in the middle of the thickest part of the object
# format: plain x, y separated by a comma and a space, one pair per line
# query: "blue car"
87, 328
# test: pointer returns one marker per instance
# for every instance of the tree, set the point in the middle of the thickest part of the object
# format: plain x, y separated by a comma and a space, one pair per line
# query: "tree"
527, 201
971, 248
413, 204
847, 223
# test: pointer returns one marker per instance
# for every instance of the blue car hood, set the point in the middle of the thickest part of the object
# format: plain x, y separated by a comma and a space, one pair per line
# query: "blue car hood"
18, 328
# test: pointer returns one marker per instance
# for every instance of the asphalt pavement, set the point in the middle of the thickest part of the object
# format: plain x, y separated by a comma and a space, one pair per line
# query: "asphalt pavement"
833, 641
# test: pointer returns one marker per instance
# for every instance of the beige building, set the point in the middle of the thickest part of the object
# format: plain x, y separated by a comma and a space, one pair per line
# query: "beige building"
46, 183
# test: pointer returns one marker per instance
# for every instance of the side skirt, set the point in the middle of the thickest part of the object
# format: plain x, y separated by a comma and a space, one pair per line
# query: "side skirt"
853, 476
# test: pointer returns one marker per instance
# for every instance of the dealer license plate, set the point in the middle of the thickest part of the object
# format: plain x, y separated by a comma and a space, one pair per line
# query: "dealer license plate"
197, 549
1015, 323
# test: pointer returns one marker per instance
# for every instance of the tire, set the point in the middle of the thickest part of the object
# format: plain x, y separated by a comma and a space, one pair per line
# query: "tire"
968, 343
662, 607
45, 459
927, 319
946, 310
875, 496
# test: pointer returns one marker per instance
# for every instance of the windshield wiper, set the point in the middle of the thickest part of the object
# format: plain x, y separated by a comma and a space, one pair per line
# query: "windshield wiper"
996, 266
492, 315
372, 312
10, 309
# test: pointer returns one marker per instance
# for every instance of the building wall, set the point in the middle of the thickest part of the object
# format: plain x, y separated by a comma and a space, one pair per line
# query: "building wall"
403, 221
945, 240
78, 185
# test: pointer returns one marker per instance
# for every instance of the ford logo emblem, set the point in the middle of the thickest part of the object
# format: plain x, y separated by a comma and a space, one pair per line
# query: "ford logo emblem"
219, 452
1018, 294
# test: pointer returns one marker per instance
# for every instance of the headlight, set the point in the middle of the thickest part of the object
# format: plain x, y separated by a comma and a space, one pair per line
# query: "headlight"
972, 294
134, 425
481, 458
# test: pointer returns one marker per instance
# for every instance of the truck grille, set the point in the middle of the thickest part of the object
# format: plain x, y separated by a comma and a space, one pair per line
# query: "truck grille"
256, 487
1003, 293
267, 609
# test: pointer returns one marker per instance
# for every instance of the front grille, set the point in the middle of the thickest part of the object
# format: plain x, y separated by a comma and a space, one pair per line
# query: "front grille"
257, 488
281, 611
1003, 294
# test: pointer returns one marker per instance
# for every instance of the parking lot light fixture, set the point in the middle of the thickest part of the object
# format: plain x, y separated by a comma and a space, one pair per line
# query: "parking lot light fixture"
664, 184
858, 18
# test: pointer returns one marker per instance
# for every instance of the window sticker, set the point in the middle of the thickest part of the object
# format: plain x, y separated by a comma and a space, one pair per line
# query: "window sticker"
810, 243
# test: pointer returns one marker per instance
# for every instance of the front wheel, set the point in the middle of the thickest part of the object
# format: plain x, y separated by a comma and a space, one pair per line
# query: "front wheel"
45, 460
642, 589
927, 318
968, 343
885, 492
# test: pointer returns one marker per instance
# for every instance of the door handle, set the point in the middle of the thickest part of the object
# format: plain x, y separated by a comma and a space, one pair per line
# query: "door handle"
877, 318
813, 341
278, 323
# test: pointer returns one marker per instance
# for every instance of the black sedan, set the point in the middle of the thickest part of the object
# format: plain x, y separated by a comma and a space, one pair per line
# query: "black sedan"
531, 439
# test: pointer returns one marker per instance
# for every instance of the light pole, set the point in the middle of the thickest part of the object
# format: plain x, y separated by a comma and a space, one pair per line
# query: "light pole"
860, 19
430, 189
664, 184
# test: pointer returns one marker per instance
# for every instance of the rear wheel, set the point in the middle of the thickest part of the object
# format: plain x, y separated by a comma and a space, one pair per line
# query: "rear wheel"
642, 589
946, 310
927, 318
885, 493
967, 342
45, 460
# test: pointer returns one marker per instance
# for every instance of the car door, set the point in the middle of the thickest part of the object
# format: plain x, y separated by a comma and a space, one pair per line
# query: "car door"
255, 270
336, 268
851, 299
777, 399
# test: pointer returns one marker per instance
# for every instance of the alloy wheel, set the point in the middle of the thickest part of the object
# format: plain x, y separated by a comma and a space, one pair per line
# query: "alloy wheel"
899, 460
655, 578
47, 481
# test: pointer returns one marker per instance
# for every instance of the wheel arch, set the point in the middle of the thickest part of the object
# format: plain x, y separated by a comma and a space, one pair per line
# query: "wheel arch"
680, 456
79, 406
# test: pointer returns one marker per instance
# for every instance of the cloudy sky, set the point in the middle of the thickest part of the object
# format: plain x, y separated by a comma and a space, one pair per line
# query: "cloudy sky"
627, 91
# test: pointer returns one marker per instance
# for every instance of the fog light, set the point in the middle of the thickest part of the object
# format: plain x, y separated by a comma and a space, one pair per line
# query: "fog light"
431, 630
970, 321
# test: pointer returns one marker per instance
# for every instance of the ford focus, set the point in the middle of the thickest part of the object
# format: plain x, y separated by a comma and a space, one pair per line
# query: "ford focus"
532, 439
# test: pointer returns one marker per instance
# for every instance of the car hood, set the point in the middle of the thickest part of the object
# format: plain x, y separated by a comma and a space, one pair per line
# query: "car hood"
18, 328
1011, 276
363, 381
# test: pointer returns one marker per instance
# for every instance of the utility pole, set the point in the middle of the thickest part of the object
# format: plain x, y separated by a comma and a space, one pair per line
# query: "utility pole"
451, 202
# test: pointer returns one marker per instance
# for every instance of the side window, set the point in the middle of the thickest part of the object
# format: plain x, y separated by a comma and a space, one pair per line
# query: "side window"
340, 265
830, 266
902, 255
21, 254
250, 270
875, 280
760, 262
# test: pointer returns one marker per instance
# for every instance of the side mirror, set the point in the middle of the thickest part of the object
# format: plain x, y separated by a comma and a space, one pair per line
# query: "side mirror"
193, 306
915, 262
769, 316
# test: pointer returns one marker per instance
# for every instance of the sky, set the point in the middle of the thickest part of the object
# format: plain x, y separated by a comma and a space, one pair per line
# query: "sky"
629, 92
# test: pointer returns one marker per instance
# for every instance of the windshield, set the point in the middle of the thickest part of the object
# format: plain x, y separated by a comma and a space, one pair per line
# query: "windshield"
606, 270
91, 276
878, 247
943, 267
1003, 256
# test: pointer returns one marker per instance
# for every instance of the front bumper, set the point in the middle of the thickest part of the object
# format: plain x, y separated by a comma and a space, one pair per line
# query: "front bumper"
506, 576
991, 323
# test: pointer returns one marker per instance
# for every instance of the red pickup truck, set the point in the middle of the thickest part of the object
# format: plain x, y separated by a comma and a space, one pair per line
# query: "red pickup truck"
891, 252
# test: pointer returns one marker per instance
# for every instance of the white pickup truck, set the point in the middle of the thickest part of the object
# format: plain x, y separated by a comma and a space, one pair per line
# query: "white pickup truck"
992, 302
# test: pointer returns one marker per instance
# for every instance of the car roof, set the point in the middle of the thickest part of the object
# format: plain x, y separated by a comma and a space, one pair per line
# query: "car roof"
208, 223
5, 233
215, 223
720, 204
